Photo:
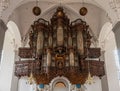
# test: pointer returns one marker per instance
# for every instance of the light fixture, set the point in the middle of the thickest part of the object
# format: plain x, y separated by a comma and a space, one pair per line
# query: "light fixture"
83, 11
36, 9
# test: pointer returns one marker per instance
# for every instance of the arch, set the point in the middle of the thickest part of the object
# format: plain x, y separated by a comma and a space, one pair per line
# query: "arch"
60, 79
105, 31
95, 3
13, 29
64, 6
11, 43
108, 44
13, 34
21, 2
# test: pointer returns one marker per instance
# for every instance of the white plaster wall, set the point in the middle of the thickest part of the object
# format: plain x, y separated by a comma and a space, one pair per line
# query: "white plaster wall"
96, 86
23, 85
110, 62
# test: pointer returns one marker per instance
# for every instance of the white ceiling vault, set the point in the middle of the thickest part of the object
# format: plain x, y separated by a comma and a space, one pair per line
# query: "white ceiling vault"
99, 12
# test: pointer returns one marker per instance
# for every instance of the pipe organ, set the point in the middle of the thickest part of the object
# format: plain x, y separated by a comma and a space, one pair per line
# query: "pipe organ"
59, 48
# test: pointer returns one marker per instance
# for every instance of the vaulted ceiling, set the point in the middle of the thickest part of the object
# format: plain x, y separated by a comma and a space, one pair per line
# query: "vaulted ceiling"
99, 12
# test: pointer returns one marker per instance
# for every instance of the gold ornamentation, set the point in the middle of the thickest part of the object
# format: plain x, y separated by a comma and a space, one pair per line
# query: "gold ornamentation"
90, 79
31, 79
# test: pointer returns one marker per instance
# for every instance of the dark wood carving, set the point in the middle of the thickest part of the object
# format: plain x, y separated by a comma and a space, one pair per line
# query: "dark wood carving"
59, 48
24, 68
46, 74
25, 52
94, 52
96, 67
